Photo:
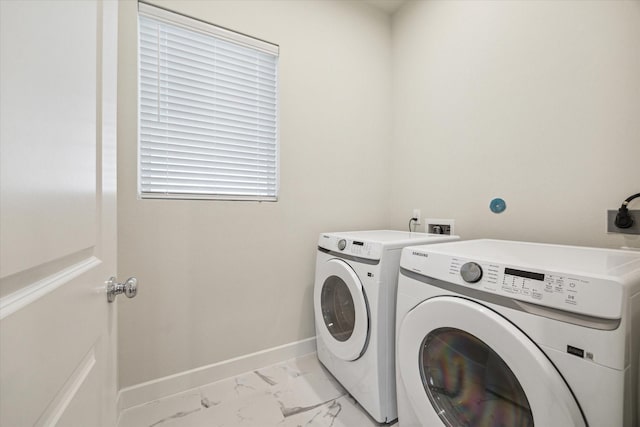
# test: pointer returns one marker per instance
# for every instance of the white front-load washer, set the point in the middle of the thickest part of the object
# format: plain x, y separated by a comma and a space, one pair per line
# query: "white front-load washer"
502, 334
354, 304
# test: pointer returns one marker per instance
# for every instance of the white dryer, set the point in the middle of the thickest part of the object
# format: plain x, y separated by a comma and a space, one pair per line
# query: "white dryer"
354, 304
496, 333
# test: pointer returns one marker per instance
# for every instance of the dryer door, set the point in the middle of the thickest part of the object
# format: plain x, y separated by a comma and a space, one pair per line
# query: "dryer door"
341, 312
462, 364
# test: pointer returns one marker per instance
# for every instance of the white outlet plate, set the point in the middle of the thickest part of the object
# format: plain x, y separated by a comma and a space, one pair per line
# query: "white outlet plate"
430, 222
416, 214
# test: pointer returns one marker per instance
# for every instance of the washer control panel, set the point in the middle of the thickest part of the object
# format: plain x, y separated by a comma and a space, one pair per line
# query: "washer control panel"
357, 248
594, 296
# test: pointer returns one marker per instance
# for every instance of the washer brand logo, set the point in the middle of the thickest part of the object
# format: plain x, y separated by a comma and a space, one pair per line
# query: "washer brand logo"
420, 254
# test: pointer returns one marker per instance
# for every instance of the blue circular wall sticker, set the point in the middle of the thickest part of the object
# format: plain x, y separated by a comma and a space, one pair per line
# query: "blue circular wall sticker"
497, 205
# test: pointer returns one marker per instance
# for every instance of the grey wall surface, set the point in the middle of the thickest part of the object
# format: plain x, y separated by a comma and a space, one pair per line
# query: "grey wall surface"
441, 107
222, 279
536, 102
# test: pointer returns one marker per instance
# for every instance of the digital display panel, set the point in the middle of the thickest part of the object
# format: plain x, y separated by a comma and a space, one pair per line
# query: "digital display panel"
526, 274
358, 243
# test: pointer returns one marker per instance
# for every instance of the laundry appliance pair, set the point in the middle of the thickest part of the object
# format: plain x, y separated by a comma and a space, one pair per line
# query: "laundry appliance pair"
354, 303
510, 334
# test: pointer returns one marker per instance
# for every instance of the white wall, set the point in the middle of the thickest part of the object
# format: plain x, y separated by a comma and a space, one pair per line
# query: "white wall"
222, 279
537, 102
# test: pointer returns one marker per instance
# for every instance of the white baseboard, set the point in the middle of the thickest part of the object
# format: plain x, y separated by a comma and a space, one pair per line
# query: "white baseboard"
177, 383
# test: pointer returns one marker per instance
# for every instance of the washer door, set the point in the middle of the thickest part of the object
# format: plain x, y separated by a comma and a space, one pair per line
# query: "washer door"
462, 364
341, 311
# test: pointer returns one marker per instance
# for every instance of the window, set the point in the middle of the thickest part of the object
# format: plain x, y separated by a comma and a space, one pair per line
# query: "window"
207, 111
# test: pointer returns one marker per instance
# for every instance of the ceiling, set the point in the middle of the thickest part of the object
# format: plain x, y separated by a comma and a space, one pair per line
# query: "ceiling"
388, 6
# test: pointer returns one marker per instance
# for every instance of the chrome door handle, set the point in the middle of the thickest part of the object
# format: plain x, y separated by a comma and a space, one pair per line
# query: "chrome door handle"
129, 288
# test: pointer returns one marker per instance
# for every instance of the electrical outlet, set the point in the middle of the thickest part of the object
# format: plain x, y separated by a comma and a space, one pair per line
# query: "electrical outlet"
416, 214
439, 226
634, 229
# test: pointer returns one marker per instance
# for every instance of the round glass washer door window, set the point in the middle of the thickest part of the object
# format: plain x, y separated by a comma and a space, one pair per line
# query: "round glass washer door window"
338, 309
447, 348
468, 384
341, 311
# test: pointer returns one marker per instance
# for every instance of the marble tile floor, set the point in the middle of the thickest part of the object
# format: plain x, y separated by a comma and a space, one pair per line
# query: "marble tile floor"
297, 392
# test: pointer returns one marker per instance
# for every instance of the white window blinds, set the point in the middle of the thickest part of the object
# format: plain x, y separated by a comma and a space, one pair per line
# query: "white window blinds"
207, 111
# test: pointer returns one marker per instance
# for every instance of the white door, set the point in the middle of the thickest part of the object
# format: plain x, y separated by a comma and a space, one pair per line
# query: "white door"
463, 364
341, 310
58, 68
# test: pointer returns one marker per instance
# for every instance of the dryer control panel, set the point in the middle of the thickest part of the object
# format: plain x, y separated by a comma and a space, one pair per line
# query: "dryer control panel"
356, 248
592, 296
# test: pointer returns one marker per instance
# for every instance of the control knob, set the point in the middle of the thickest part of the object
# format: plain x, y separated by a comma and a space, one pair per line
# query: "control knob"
471, 272
342, 243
